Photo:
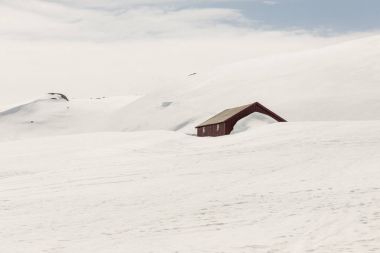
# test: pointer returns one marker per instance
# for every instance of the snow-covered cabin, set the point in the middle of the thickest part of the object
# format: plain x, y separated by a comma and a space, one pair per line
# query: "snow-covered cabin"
223, 123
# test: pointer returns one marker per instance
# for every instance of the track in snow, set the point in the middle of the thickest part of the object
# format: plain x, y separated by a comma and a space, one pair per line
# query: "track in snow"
293, 187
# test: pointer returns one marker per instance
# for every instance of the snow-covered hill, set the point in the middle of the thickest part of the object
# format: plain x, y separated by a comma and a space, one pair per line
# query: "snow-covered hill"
123, 174
294, 187
339, 82
46, 116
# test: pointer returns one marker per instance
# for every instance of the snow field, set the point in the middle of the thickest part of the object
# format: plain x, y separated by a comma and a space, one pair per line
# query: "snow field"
287, 187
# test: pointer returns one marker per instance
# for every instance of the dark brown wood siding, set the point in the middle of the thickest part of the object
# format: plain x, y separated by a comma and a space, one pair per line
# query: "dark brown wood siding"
212, 130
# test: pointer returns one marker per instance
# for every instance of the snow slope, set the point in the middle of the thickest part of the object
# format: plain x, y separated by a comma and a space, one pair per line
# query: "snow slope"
46, 117
289, 187
73, 178
339, 82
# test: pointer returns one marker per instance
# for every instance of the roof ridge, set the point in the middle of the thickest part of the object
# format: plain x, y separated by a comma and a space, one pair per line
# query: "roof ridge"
224, 116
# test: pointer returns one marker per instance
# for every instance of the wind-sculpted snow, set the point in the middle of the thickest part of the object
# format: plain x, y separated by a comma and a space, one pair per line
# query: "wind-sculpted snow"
74, 178
339, 82
289, 187
46, 117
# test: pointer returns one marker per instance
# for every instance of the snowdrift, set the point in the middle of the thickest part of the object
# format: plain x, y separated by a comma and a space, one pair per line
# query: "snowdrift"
339, 82
302, 186
48, 116
294, 187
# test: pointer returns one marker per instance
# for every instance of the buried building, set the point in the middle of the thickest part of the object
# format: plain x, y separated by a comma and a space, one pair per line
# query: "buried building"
224, 122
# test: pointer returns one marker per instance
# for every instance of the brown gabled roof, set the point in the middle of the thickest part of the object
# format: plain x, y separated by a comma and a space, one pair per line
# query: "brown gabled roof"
224, 115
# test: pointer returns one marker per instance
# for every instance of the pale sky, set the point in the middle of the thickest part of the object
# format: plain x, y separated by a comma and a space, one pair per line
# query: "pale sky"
332, 16
113, 47
131, 19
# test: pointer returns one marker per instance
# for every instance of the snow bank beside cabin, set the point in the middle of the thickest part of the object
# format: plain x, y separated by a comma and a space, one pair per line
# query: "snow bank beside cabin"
253, 120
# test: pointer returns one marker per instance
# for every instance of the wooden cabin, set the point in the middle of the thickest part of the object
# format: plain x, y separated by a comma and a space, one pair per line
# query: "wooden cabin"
224, 122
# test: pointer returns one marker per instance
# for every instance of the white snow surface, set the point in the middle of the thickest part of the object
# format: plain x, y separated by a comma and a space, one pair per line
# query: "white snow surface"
126, 174
292, 187
338, 82
47, 117
252, 121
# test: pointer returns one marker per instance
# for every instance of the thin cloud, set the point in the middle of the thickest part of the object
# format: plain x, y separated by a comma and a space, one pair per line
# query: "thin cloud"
69, 47
268, 2
50, 20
